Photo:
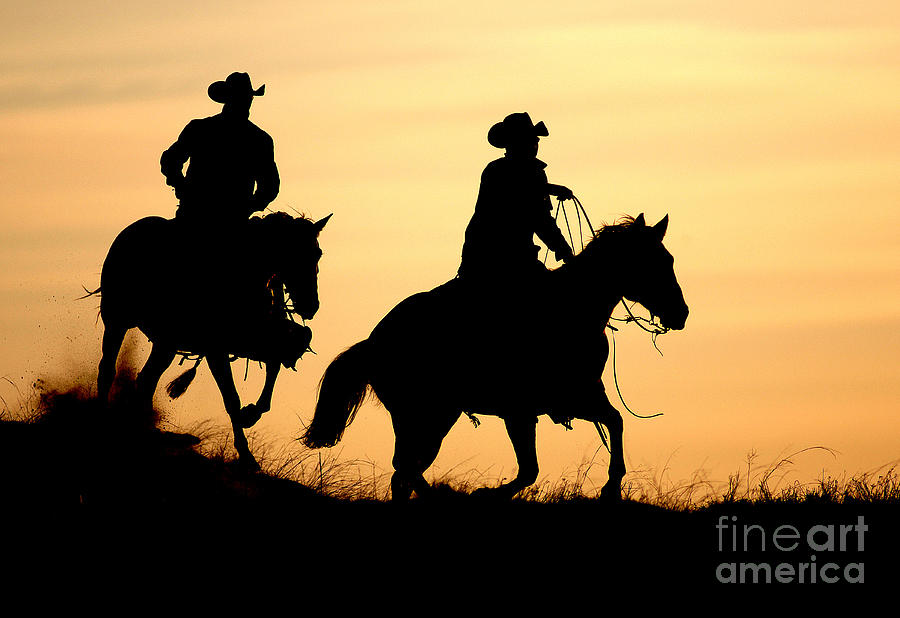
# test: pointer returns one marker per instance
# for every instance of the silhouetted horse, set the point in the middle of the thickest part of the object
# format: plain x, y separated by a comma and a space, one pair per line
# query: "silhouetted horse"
224, 300
440, 353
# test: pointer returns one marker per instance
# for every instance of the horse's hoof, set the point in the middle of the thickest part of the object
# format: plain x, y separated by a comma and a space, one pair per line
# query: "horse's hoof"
249, 464
611, 493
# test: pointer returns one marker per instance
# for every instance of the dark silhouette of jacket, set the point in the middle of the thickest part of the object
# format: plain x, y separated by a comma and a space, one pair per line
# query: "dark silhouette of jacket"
232, 171
513, 205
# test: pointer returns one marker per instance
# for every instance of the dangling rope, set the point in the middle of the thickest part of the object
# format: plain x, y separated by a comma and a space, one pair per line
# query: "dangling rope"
580, 212
568, 227
584, 212
580, 232
616, 381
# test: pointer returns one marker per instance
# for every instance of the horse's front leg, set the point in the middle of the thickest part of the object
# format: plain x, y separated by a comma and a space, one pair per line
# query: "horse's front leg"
251, 413
221, 371
610, 417
521, 430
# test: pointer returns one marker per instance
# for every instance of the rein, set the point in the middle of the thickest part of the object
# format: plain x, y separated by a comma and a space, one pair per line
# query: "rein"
653, 327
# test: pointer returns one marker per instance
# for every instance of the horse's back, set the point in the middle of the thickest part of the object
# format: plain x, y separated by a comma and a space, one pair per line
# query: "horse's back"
446, 336
131, 274
136, 237
145, 226
420, 313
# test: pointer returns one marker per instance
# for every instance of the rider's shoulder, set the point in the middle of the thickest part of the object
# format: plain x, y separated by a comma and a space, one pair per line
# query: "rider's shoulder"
514, 166
199, 125
260, 133
208, 120
497, 166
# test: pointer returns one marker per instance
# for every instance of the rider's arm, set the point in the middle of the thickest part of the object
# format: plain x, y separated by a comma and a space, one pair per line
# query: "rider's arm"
549, 233
545, 225
172, 161
268, 181
563, 193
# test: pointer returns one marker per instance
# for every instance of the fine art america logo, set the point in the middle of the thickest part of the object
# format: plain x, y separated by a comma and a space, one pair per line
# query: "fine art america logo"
771, 555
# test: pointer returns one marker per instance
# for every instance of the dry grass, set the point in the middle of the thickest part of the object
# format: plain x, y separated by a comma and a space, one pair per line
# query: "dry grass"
329, 475
326, 474
754, 483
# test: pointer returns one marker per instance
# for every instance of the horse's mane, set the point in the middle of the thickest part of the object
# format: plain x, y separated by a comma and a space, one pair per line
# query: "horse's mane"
606, 233
279, 218
278, 227
622, 223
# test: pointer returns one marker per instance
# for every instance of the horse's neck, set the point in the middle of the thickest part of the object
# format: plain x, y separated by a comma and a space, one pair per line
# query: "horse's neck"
594, 277
260, 263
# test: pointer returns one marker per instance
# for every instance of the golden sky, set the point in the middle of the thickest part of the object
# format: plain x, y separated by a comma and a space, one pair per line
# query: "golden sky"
769, 132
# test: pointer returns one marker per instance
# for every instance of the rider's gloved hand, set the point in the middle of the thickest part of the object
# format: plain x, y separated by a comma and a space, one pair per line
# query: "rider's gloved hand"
563, 253
565, 193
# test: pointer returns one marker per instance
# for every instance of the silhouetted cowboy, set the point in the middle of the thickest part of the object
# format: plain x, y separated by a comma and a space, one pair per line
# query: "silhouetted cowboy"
232, 171
231, 175
513, 205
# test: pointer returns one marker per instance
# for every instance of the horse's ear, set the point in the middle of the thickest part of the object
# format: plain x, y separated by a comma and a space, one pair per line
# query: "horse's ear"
321, 223
660, 228
639, 221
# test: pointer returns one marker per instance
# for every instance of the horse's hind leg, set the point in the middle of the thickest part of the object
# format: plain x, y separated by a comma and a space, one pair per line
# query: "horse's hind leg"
521, 431
161, 356
416, 446
113, 335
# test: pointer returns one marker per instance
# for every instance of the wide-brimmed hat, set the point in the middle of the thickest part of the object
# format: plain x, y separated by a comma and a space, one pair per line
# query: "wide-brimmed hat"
515, 127
236, 85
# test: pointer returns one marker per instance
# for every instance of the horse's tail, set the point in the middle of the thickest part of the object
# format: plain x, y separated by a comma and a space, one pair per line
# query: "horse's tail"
341, 392
179, 385
88, 293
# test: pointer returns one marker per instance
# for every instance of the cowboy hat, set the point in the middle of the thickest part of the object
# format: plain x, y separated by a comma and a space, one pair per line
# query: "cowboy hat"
236, 85
513, 127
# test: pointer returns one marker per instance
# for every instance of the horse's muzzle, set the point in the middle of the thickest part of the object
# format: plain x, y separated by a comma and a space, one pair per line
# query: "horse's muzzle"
676, 319
308, 313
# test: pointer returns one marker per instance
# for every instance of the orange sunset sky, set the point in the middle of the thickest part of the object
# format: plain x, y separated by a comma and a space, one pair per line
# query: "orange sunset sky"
768, 132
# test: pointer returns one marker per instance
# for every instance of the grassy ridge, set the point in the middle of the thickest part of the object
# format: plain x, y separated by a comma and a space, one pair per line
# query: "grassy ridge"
113, 471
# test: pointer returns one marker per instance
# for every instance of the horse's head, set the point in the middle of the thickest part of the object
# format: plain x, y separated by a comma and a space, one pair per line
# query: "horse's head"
293, 246
647, 274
